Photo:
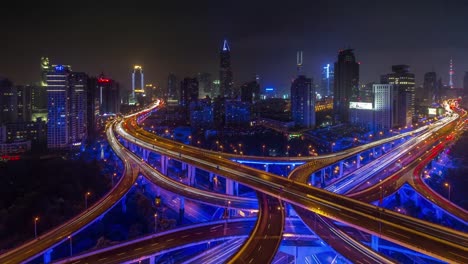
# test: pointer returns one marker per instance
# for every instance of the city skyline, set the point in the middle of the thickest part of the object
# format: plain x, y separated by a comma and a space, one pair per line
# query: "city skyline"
171, 39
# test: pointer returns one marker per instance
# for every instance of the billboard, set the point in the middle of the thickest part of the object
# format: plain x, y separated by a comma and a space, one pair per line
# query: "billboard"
360, 105
432, 111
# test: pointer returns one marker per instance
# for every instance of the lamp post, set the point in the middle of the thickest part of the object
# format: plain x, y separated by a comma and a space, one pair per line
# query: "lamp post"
449, 189
86, 199
35, 226
263, 149
71, 245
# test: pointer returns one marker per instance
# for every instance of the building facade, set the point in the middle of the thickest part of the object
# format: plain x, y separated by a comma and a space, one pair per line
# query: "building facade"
405, 80
303, 102
346, 84
328, 78
225, 72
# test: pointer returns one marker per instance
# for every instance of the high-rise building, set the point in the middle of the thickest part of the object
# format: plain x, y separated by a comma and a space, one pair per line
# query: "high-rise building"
386, 106
24, 109
138, 86
250, 92
108, 95
188, 91
237, 113
8, 101
172, 92
66, 93
346, 84
216, 89
451, 73
303, 101
326, 88
465, 83
406, 82
430, 91
225, 72
205, 84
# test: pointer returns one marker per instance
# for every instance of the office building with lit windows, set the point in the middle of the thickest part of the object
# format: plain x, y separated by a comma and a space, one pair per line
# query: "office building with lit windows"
303, 102
346, 84
225, 72
66, 105
405, 80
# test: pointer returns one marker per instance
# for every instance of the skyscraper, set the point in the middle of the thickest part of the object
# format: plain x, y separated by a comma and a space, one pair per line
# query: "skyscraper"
346, 84
66, 94
172, 87
451, 72
188, 91
8, 102
205, 84
108, 95
385, 106
430, 90
303, 102
58, 106
405, 80
328, 74
24, 103
225, 72
250, 92
465, 83
138, 85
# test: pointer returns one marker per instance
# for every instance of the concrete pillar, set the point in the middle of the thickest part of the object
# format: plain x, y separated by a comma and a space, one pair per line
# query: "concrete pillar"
236, 188
191, 174
358, 161
322, 177
163, 164
341, 169
229, 186
124, 204
145, 154
267, 168
151, 260
313, 179
375, 243
184, 166
181, 209
48, 256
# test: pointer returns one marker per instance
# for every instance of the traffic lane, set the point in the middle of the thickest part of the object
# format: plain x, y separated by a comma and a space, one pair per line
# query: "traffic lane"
148, 247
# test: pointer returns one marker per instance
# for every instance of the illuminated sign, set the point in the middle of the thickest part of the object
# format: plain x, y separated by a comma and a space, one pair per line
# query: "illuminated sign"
269, 89
360, 105
432, 111
103, 80
59, 68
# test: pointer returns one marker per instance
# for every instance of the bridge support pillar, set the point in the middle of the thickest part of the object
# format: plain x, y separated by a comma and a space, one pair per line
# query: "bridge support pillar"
375, 243
184, 165
163, 164
124, 204
312, 179
181, 209
145, 154
229, 186
151, 260
267, 167
48, 256
358, 161
191, 174
341, 169
322, 178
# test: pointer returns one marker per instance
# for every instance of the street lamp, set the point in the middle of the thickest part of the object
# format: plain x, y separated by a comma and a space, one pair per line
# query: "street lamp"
86, 199
449, 189
71, 247
263, 149
35, 226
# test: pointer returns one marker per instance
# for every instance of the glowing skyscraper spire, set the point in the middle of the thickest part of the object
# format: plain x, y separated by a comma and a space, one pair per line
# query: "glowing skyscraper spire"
451, 72
299, 62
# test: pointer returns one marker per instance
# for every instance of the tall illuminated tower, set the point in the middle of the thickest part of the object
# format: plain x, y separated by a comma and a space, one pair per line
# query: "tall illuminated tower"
346, 84
225, 72
299, 62
451, 72
327, 80
138, 81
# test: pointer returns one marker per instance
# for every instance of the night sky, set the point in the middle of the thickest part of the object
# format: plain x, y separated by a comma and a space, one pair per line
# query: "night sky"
185, 38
